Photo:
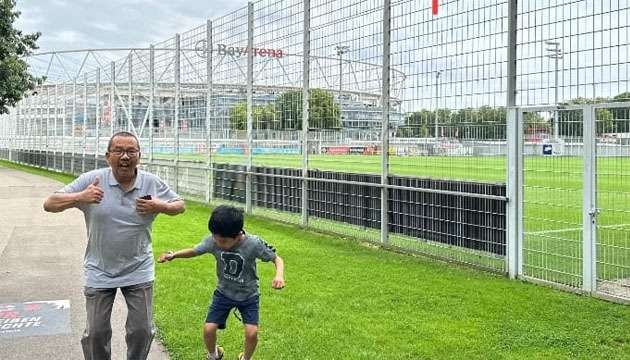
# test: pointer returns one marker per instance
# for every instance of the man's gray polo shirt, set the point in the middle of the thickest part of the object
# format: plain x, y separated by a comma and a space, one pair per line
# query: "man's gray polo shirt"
119, 251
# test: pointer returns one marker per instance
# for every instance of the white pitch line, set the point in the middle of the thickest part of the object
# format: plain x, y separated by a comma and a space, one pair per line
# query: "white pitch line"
550, 231
573, 229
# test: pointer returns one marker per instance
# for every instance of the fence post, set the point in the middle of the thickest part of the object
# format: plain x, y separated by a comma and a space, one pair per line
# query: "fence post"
387, 22
4, 137
177, 100
112, 98
28, 119
73, 124
33, 104
589, 206
209, 112
511, 53
10, 133
5, 125
151, 99
98, 117
38, 118
514, 235
55, 126
30, 128
47, 130
40, 127
23, 128
85, 119
306, 76
130, 125
63, 128
21, 119
250, 94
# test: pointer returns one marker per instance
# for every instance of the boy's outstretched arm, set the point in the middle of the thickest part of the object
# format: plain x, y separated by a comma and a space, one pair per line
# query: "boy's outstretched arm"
278, 280
184, 253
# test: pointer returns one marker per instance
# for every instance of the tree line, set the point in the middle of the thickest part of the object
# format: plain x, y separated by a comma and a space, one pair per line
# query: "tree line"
285, 113
485, 122
489, 123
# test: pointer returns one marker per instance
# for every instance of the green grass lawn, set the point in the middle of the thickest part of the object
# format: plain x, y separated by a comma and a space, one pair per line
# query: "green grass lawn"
346, 300
486, 168
64, 178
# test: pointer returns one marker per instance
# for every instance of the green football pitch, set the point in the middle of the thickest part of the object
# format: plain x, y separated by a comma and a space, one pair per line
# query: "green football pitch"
553, 196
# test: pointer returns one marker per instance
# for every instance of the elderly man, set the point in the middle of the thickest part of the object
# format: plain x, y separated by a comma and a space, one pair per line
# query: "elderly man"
119, 204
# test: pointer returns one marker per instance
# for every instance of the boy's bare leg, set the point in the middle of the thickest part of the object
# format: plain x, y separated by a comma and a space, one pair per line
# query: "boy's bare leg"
251, 340
210, 337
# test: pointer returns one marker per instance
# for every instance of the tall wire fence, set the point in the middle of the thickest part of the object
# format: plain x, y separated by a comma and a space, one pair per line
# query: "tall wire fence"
472, 135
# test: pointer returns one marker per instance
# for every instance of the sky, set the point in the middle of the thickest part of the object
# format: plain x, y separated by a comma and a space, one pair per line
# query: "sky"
85, 24
457, 59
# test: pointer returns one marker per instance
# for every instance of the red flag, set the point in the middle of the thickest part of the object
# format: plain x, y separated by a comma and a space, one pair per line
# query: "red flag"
435, 7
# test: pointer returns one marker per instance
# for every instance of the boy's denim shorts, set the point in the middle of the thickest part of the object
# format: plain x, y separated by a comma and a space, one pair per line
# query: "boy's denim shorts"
221, 305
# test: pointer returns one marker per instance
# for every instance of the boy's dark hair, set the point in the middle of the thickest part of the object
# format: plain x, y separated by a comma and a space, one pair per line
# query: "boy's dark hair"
226, 221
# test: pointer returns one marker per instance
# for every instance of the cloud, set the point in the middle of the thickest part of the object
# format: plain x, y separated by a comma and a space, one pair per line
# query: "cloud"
65, 37
81, 24
30, 17
105, 26
60, 3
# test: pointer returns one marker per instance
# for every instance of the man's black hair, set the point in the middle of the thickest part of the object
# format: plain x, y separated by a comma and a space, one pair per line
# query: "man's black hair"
121, 134
226, 221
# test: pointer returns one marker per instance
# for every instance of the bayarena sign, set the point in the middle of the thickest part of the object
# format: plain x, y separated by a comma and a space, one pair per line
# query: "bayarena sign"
222, 49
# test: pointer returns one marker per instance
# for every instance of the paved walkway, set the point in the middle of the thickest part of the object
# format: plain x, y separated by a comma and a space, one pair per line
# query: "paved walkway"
41, 258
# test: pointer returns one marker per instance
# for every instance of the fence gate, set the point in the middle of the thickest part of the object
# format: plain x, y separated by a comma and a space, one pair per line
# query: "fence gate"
612, 126
552, 236
574, 212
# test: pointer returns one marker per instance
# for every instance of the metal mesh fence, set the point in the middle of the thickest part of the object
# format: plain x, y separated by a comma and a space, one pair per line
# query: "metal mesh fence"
613, 229
572, 49
406, 148
553, 173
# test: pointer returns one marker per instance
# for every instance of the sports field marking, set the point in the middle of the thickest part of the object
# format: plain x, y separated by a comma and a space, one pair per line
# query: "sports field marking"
574, 229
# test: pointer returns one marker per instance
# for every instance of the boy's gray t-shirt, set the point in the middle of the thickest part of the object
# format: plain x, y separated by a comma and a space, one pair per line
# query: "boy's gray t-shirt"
236, 268
119, 251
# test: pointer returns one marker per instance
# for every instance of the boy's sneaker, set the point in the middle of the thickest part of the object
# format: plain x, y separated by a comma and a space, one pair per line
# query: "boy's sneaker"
241, 356
220, 353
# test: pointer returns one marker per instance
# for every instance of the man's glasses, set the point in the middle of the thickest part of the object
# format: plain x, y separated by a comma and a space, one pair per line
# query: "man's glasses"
119, 152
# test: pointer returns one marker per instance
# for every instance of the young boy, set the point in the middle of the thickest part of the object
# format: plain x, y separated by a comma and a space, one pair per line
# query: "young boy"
237, 285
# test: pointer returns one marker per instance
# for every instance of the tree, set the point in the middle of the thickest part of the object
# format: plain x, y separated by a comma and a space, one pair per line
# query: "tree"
289, 106
417, 124
604, 122
15, 80
445, 125
571, 121
535, 123
286, 112
621, 116
263, 117
238, 116
484, 123
324, 112
623, 97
